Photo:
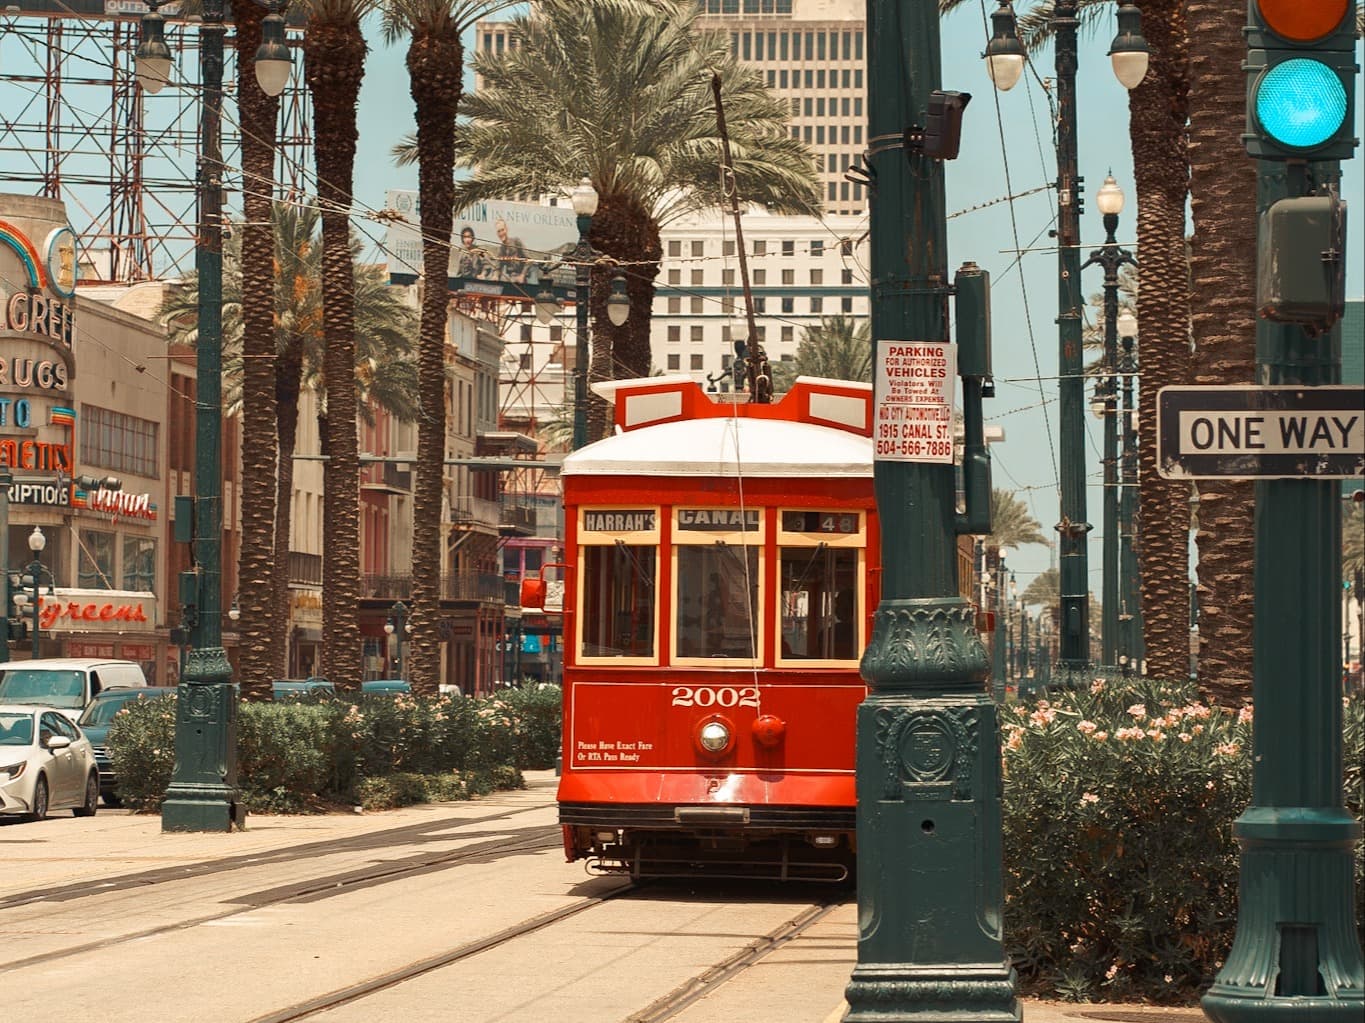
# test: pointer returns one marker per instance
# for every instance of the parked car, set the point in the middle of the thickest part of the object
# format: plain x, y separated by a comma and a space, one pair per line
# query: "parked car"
283, 689
386, 686
66, 683
95, 724
45, 764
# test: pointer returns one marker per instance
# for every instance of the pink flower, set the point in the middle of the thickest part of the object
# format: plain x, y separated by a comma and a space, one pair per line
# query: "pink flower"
1138, 711
1228, 749
1042, 716
1244, 715
1089, 797
1086, 727
1100, 736
1185, 737
1097, 686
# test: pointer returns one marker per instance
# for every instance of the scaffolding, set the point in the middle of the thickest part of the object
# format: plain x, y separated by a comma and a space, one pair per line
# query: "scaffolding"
76, 126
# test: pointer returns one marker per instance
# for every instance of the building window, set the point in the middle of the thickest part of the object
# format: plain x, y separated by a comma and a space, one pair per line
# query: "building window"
695, 361
817, 246
846, 303
674, 360
674, 276
788, 276
727, 305
695, 334
760, 247
788, 305
556, 333
760, 276
526, 332
727, 277
789, 248
760, 304
697, 278
788, 335
846, 275
95, 570
698, 248
817, 276
674, 334
728, 247
817, 305
674, 305
524, 361
674, 248
139, 563
698, 306
112, 440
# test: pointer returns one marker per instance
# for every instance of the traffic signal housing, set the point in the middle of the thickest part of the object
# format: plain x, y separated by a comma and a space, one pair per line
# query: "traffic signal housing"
1301, 262
1301, 79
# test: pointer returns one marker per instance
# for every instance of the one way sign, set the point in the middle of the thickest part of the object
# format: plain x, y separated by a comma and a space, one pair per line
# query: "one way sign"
1260, 432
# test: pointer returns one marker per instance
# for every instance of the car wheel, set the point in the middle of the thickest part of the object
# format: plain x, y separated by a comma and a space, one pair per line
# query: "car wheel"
39, 800
112, 800
92, 797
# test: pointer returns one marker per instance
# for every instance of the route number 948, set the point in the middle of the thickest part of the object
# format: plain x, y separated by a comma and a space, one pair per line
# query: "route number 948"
706, 696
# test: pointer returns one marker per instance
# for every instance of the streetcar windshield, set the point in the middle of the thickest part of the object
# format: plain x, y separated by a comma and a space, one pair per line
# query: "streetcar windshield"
618, 600
819, 606
713, 617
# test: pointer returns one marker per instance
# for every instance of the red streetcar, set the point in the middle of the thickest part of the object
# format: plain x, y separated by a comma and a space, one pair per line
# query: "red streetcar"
721, 573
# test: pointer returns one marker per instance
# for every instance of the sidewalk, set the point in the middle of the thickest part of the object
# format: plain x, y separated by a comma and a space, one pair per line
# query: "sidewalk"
811, 971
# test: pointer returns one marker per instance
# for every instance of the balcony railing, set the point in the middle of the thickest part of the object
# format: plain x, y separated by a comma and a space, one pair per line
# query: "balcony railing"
484, 586
517, 519
305, 569
474, 511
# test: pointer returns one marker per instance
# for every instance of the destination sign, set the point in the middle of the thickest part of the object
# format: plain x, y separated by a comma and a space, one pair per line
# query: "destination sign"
718, 520
1261, 432
625, 520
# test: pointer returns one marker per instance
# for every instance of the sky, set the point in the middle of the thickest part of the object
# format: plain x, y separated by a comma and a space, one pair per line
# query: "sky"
1024, 284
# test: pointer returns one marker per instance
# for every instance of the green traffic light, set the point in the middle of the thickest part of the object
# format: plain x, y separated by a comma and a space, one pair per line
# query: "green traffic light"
1301, 103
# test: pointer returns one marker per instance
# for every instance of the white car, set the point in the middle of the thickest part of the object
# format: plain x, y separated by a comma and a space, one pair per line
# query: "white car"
45, 764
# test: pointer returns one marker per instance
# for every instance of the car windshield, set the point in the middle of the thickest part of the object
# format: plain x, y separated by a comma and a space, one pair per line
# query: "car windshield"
16, 729
50, 687
101, 712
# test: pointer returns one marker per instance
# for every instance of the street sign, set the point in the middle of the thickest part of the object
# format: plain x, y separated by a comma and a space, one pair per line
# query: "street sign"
1260, 432
912, 384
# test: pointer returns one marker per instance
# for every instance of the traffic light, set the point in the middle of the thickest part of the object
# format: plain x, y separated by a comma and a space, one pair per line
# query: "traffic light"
942, 135
1301, 79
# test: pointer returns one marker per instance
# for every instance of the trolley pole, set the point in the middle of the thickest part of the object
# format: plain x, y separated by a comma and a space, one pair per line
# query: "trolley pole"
928, 762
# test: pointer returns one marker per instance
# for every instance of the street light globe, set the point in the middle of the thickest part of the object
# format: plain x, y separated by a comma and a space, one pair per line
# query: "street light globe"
388, 628
36, 541
547, 306
235, 612
618, 302
273, 63
21, 600
1126, 323
1004, 53
152, 59
1129, 52
584, 198
1110, 197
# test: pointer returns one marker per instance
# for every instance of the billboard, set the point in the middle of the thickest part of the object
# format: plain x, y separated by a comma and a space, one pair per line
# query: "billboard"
493, 243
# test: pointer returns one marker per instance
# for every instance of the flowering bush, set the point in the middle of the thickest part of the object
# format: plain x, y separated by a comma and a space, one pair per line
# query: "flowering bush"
537, 710
293, 754
1121, 868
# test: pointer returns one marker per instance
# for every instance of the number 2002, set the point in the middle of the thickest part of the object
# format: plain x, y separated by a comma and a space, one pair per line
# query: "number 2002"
705, 696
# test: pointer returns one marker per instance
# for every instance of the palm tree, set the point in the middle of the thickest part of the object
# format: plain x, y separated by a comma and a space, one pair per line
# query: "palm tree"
334, 64
839, 348
385, 375
1223, 205
258, 115
633, 110
1012, 525
435, 70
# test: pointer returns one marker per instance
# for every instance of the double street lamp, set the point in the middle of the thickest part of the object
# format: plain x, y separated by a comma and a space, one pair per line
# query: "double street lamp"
33, 577
584, 199
1112, 258
1005, 59
398, 625
203, 791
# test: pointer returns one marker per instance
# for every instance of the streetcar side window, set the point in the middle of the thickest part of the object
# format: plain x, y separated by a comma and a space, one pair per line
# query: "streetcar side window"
618, 600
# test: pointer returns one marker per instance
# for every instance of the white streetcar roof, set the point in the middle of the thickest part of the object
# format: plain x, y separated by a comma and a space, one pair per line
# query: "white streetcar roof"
726, 446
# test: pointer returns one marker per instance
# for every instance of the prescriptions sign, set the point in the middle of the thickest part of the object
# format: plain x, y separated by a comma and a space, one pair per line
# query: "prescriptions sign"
913, 383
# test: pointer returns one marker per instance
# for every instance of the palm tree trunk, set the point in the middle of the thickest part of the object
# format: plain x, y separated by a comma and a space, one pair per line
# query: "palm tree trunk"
624, 229
1157, 112
435, 63
259, 114
287, 381
334, 65
1223, 261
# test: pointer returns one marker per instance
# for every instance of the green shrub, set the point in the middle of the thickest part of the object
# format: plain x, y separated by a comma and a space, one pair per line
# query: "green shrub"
1121, 868
286, 754
141, 745
537, 711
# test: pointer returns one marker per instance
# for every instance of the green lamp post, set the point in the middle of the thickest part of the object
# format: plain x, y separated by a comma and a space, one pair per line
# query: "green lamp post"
1004, 57
1131, 651
398, 625
928, 758
203, 791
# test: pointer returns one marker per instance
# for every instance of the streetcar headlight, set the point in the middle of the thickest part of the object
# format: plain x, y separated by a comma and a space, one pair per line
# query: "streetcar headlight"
714, 737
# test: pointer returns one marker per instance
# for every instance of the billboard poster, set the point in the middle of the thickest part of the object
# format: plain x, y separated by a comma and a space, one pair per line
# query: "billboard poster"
492, 242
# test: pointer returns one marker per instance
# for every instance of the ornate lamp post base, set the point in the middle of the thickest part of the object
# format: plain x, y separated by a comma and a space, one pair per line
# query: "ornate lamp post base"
203, 791
1292, 939
929, 877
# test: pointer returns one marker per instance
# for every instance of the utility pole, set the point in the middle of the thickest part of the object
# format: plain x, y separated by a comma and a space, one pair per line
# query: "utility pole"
930, 887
